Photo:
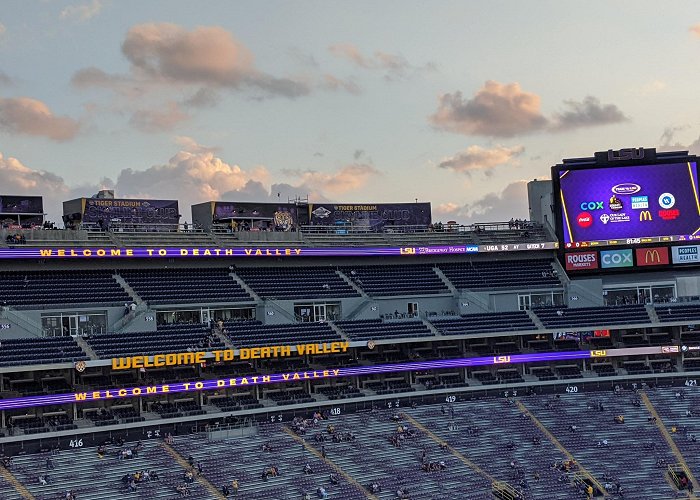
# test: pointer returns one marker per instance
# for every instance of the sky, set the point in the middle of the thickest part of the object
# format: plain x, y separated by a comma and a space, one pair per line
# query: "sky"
453, 102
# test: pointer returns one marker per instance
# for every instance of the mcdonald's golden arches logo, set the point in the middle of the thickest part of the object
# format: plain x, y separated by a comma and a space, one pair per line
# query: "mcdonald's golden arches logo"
652, 257
644, 215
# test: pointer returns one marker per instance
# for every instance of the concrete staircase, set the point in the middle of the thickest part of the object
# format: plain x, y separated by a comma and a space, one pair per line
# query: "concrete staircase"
354, 285
86, 347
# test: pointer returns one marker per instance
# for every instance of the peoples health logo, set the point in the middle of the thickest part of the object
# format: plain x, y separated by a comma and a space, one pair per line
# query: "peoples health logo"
667, 200
639, 202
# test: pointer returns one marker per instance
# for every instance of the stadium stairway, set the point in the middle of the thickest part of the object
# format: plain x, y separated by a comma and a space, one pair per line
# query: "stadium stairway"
487, 449
242, 459
354, 286
93, 478
86, 347
535, 320
651, 310
464, 294
637, 437
372, 458
671, 412
340, 332
128, 289
245, 287
11, 488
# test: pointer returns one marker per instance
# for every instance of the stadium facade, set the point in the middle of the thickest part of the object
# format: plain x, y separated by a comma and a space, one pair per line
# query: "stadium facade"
134, 326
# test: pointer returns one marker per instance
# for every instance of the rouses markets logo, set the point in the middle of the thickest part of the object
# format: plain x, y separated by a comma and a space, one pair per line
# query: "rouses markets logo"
669, 214
626, 188
584, 219
667, 200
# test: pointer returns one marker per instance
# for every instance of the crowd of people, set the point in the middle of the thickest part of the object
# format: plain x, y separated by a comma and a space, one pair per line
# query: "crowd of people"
16, 239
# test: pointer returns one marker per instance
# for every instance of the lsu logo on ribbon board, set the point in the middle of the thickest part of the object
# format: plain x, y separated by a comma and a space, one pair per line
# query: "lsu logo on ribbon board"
653, 256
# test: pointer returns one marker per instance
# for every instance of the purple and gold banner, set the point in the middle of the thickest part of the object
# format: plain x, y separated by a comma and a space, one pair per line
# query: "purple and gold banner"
218, 384
97, 253
19, 252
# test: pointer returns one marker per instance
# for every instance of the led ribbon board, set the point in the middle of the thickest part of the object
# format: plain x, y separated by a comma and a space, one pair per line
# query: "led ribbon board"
252, 252
217, 384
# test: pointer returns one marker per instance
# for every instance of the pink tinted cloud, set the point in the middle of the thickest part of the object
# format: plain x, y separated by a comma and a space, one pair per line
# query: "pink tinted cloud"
24, 115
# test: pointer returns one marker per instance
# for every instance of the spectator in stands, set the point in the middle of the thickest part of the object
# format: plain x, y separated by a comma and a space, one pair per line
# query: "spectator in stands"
42, 480
308, 469
225, 491
321, 492
334, 479
234, 486
49, 464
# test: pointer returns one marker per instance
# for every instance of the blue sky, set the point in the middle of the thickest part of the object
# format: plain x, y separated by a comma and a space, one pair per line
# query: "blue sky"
457, 103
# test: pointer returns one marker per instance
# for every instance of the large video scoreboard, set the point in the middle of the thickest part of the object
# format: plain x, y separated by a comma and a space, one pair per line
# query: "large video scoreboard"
627, 197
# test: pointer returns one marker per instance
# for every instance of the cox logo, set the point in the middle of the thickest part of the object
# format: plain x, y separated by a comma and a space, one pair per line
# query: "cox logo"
592, 205
584, 219
626, 188
667, 200
616, 258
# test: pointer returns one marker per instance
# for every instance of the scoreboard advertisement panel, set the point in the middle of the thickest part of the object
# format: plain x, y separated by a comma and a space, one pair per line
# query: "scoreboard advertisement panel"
630, 204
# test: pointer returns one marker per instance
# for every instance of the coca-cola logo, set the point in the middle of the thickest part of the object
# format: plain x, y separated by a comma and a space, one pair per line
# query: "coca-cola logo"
584, 219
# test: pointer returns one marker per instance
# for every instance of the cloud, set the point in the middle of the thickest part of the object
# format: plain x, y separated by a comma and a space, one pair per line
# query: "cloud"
695, 30
207, 55
190, 177
449, 208
395, 66
505, 110
3, 30
587, 113
348, 178
16, 177
191, 146
82, 12
330, 82
24, 115
476, 158
653, 87
493, 207
203, 98
668, 141
5, 79
497, 110
193, 175
158, 120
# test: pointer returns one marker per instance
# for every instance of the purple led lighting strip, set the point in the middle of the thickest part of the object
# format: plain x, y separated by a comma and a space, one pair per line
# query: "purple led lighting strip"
208, 252
216, 384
